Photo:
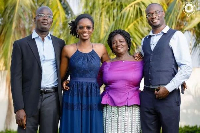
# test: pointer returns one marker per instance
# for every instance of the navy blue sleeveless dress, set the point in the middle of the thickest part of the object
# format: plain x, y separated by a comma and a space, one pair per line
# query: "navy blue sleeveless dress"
82, 109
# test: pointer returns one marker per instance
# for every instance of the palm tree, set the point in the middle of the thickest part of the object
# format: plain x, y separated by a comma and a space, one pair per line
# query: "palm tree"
130, 16
118, 14
176, 18
12, 28
16, 21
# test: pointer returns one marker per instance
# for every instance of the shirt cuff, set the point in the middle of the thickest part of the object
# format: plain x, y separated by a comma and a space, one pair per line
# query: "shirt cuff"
170, 87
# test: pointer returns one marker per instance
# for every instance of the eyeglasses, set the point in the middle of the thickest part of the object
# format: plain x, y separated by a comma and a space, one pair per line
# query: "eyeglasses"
149, 15
82, 27
43, 15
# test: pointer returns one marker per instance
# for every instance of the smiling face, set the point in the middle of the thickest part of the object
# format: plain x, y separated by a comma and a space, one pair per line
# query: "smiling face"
155, 16
43, 19
84, 29
119, 45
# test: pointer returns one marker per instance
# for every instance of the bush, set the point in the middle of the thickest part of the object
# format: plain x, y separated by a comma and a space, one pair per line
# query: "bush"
189, 129
8, 131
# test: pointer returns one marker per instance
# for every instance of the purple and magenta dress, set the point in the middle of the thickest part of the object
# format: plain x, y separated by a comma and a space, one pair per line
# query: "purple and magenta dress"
120, 97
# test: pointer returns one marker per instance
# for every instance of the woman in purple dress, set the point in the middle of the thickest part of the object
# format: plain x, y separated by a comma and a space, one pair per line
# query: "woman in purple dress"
121, 76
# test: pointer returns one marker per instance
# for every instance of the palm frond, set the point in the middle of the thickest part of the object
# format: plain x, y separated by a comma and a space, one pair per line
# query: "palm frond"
173, 13
118, 14
133, 19
2, 6
13, 27
193, 22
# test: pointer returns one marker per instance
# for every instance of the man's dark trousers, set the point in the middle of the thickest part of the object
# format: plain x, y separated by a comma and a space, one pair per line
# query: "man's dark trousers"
48, 106
157, 112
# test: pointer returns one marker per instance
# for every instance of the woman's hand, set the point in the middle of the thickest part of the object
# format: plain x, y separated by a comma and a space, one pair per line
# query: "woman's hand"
65, 85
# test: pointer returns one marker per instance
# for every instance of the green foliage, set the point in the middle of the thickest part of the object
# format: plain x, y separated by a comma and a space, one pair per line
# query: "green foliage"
109, 15
189, 129
8, 131
130, 15
17, 21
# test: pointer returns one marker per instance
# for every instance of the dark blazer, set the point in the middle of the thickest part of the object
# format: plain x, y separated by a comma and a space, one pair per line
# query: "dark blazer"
26, 73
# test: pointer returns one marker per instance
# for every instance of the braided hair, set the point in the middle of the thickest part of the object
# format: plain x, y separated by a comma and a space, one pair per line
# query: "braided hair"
73, 24
123, 33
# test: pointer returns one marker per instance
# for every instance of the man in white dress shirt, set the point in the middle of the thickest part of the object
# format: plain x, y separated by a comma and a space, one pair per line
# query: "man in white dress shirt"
167, 64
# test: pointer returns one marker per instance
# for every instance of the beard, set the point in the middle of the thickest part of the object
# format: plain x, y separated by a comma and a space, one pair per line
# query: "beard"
157, 25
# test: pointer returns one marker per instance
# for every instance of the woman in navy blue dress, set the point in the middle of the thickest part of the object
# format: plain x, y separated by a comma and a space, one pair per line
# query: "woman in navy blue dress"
82, 110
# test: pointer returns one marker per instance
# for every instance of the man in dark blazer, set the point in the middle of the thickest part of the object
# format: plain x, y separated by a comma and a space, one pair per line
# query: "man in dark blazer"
35, 77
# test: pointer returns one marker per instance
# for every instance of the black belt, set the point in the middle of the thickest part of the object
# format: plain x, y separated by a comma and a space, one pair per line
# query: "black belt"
45, 90
150, 89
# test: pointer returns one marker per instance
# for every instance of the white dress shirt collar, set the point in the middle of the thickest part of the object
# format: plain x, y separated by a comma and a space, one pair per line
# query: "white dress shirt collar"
163, 31
35, 35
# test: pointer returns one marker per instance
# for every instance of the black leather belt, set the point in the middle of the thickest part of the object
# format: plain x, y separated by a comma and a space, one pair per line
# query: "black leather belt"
45, 90
150, 89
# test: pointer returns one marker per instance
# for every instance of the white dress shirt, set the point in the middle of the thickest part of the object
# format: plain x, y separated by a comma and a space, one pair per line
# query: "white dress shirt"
47, 59
180, 49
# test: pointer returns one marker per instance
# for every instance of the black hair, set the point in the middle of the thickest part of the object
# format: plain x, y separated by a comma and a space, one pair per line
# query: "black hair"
123, 33
73, 24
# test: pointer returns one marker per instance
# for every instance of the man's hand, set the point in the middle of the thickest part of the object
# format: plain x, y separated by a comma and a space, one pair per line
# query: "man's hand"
21, 118
138, 56
161, 92
65, 87
184, 85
